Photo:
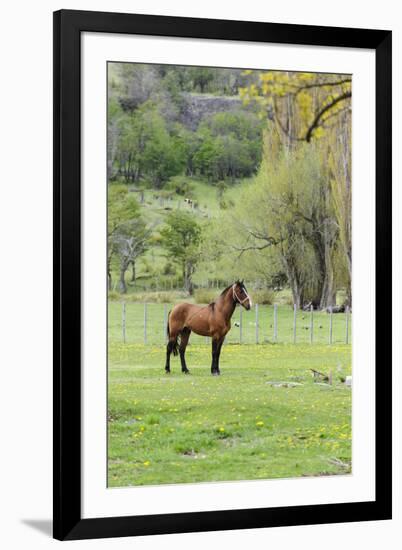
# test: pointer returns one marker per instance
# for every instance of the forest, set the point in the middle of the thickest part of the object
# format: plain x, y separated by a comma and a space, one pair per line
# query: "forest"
216, 174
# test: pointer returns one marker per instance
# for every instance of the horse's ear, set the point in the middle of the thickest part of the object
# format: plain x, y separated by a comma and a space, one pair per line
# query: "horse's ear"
242, 281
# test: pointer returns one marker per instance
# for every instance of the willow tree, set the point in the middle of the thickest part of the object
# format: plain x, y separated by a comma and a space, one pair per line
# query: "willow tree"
302, 105
314, 109
284, 223
340, 167
295, 196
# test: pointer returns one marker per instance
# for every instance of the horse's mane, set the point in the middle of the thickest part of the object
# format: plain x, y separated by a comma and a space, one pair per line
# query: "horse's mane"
226, 289
212, 304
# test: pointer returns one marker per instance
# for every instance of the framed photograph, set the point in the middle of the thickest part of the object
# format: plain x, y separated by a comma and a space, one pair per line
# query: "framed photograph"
222, 275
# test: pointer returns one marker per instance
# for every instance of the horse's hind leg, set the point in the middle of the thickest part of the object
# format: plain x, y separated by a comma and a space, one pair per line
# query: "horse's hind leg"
171, 347
184, 338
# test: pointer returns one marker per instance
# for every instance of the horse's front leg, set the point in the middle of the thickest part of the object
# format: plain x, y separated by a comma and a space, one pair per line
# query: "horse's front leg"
218, 353
216, 350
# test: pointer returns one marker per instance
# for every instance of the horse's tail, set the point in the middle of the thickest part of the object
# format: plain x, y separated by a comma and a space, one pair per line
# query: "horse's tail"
174, 345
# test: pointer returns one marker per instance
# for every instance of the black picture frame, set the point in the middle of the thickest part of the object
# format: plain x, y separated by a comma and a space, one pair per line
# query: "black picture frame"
68, 26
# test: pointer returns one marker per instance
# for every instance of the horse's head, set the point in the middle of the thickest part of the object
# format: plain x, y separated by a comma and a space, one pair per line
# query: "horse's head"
240, 295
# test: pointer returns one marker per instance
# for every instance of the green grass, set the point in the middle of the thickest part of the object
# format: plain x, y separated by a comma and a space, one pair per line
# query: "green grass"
181, 429
156, 331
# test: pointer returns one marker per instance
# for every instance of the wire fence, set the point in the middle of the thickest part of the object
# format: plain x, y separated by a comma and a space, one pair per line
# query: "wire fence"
137, 323
169, 282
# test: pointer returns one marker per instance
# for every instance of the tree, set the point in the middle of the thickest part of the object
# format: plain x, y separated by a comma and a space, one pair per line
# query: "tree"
302, 105
115, 116
138, 84
285, 223
229, 146
205, 159
163, 155
341, 185
299, 199
122, 208
130, 242
201, 77
181, 238
148, 149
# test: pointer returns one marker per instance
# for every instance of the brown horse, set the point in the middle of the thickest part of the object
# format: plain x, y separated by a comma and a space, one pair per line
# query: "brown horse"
212, 320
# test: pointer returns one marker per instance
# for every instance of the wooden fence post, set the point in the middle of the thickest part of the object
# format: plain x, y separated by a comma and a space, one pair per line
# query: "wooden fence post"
165, 321
241, 326
311, 324
123, 320
145, 323
256, 323
294, 322
275, 322
347, 325
330, 324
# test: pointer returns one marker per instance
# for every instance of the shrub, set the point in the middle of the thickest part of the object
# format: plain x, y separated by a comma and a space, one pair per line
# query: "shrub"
263, 297
181, 185
113, 295
157, 297
147, 266
284, 297
168, 269
205, 295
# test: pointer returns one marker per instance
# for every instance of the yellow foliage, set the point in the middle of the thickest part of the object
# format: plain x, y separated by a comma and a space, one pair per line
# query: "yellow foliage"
297, 99
319, 132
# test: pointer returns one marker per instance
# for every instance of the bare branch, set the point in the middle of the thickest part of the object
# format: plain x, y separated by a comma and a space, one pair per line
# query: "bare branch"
243, 249
320, 114
323, 84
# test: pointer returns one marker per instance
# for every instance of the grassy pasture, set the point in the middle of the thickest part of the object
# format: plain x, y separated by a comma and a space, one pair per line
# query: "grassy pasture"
197, 428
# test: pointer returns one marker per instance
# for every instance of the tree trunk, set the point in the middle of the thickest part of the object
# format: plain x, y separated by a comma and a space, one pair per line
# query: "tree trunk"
349, 285
296, 285
187, 283
187, 274
349, 294
122, 281
109, 271
133, 274
328, 294
297, 294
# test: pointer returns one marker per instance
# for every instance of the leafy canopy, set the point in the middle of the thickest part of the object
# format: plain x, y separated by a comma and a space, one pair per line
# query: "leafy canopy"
181, 235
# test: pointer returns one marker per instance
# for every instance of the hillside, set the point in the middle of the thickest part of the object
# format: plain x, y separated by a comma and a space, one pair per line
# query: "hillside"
151, 268
180, 140
184, 140
196, 107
